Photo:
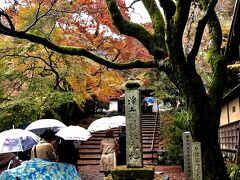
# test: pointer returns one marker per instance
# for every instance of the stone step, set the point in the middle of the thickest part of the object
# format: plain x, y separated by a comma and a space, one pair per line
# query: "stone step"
97, 150
90, 153
88, 162
96, 162
149, 128
144, 137
149, 119
152, 127
148, 115
98, 156
153, 121
144, 129
97, 146
144, 123
98, 142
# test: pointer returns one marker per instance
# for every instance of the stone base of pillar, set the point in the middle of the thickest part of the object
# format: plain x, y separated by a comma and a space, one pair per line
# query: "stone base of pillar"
125, 173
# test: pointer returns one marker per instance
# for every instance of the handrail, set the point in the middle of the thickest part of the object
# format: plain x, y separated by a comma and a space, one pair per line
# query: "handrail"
154, 132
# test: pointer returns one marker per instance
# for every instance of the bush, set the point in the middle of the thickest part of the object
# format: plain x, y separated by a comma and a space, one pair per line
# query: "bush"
171, 132
233, 171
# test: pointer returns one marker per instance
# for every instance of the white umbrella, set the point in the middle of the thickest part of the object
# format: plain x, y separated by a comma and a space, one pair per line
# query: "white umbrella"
100, 124
118, 121
74, 133
16, 140
39, 126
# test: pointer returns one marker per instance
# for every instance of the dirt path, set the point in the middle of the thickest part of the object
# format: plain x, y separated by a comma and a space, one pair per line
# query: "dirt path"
173, 172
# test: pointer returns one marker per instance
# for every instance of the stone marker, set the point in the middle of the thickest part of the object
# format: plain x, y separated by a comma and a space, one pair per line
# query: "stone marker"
196, 161
133, 125
187, 153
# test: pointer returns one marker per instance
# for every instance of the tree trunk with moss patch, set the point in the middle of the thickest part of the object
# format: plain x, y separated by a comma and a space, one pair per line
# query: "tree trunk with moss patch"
204, 112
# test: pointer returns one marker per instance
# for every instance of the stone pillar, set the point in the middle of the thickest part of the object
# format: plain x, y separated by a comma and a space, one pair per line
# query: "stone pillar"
133, 125
196, 161
187, 153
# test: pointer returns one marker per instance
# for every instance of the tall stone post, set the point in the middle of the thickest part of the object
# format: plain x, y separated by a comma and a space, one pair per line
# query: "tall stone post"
187, 153
133, 125
196, 161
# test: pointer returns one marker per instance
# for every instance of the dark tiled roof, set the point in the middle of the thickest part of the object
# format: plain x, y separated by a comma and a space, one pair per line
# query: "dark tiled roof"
232, 94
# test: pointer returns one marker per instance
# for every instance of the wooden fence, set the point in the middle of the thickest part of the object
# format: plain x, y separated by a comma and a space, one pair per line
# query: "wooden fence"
229, 140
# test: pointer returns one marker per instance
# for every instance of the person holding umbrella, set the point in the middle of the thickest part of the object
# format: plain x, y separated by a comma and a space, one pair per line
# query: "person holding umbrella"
121, 157
8, 161
44, 149
67, 152
108, 148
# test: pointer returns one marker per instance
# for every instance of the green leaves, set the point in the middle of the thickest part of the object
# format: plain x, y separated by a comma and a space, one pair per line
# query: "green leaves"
18, 111
23, 110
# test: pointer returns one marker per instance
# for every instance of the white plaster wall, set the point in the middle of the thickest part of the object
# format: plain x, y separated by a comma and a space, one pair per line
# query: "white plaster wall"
113, 106
155, 106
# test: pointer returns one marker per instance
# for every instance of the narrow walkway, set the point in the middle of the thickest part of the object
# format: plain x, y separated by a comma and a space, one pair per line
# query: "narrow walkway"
174, 172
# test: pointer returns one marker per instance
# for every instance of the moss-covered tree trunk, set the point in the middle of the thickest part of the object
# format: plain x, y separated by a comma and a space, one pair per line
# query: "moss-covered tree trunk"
204, 110
204, 119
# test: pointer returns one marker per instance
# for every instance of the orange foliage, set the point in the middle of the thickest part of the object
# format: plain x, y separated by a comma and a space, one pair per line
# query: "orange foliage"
79, 23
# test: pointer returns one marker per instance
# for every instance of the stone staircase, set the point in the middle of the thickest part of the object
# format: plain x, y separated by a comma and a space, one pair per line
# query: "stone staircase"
89, 153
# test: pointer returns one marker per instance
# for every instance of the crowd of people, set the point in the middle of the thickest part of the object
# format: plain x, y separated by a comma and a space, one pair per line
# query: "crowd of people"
56, 149
50, 148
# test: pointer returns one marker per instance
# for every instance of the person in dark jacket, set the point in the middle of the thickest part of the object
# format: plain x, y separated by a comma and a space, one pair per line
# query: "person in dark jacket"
8, 161
67, 152
121, 157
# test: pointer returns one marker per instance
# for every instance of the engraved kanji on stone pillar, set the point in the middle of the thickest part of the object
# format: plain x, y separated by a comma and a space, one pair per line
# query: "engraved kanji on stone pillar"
187, 152
196, 161
133, 125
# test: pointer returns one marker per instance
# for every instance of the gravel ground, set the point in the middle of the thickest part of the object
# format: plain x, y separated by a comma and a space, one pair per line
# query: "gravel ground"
173, 172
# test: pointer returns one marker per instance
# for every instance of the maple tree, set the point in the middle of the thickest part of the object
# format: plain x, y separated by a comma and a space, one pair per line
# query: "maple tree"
51, 80
101, 31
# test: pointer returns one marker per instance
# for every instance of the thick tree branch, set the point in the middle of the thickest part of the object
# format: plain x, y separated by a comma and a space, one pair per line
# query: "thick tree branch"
76, 51
133, 29
157, 21
213, 25
200, 28
174, 33
169, 8
215, 59
181, 18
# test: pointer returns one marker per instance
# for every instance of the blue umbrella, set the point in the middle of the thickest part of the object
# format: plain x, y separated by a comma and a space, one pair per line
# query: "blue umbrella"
41, 169
149, 99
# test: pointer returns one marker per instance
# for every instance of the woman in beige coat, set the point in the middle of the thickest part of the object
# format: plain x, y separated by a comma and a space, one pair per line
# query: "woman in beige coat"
108, 148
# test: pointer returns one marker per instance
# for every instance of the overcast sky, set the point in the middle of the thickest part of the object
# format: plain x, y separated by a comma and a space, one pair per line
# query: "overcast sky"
139, 14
